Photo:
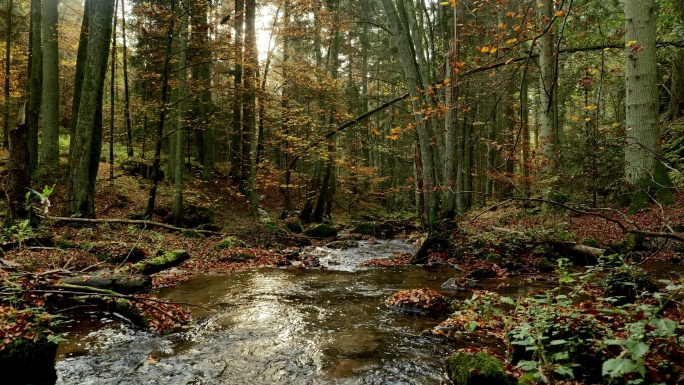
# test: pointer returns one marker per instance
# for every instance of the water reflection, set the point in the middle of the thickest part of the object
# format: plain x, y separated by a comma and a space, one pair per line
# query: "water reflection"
273, 326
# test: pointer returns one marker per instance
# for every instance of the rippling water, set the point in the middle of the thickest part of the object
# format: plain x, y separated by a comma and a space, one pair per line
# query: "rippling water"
272, 326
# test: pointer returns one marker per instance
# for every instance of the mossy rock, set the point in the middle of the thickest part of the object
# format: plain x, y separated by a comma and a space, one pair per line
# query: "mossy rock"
117, 252
295, 226
227, 243
26, 361
477, 369
342, 245
375, 229
195, 216
321, 231
545, 266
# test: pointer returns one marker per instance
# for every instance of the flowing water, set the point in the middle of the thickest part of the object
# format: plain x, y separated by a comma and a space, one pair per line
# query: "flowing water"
275, 326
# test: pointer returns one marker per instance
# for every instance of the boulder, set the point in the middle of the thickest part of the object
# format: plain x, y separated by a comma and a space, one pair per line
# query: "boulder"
375, 229
321, 231
477, 369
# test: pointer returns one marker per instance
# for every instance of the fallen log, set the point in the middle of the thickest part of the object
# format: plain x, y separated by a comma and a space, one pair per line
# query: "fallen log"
129, 222
154, 265
579, 254
125, 284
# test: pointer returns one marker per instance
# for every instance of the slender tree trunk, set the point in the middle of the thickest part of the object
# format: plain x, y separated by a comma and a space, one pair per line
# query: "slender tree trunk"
415, 84
88, 139
149, 211
525, 134
676, 106
451, 121
249, 117
19, 180
178, 136
8, 66
203, 106
236, 121
643, 129
81, 56
49, 144
285, 118
35, 81
547, 88
112, 95
127, 95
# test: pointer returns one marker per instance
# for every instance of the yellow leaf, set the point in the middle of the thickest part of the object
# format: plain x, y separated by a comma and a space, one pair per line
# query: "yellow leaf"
510, 14
502, 25
444, 3
511, 41
630, 43
615, 125
575, 118
375, 132
591, 107
560, 13
606, 49
493, 50
587, 119
484, 49
540, 5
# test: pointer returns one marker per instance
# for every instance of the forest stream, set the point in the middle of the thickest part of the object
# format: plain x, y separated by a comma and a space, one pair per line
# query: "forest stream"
279, 326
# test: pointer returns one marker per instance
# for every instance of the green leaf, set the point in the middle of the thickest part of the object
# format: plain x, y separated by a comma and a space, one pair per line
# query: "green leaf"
637, 348
561, 356
558, 342
617, 367
564, 371
665, 326
528, 366
507, 301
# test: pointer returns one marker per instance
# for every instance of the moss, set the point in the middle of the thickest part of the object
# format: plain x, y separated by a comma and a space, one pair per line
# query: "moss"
27, 361
376, 229
591, 242
321, 231
126, 309
545, 266
295, 226
192, 234
476, 369
227, 243
154, 265
660, 187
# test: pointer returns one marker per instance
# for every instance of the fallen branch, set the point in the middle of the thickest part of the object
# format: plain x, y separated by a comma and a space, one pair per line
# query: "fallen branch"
129, 222
80, 290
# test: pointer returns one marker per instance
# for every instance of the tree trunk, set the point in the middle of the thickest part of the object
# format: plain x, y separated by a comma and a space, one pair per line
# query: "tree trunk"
49, 142
451, 121
35, 82
88, 140
676, 107
124, 284
81, 56
19, 181
203, 103
127, 96
547, 88
415, 83
236, 121
249, 108
642, 90
156, 165
8, 65
178, 137
112, 95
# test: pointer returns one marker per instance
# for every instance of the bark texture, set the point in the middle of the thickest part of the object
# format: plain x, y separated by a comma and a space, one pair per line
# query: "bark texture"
641, 84
88, 137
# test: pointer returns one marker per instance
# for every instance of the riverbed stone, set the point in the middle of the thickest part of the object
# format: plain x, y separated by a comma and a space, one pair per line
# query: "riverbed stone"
375, 229
321, 231
477, 369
